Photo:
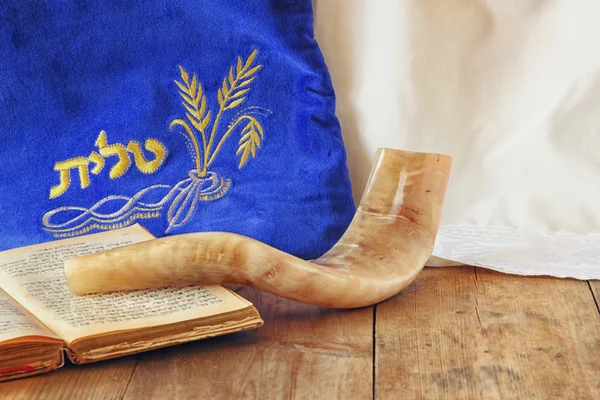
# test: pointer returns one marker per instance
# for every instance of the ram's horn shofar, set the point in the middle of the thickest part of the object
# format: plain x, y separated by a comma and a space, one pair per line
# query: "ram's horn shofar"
384, 249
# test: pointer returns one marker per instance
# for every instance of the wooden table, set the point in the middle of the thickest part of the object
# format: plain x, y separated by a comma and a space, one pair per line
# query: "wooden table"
455, 333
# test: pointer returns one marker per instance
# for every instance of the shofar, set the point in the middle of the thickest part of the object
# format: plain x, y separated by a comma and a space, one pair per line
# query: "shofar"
384, 249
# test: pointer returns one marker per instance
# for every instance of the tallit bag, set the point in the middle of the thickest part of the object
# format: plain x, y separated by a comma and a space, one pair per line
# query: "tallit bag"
183, 116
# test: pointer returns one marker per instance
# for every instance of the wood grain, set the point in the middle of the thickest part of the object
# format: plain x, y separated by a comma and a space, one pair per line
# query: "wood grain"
455, 333
103, 381
302, 352
461, 332
595, 288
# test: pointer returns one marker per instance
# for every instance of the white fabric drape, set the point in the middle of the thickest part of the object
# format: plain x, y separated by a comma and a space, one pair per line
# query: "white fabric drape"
510, 89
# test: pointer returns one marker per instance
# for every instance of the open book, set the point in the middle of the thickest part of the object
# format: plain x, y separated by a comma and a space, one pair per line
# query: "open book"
41, 321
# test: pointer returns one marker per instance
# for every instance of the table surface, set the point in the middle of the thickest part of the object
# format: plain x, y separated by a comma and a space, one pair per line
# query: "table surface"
455, 333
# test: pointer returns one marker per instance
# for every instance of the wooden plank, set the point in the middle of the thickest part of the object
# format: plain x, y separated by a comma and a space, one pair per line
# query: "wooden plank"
301, 352
416, 337
105, 380
595, 288
465, 333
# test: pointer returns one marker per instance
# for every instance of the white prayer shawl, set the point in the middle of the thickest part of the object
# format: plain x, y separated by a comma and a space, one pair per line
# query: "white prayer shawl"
509, 89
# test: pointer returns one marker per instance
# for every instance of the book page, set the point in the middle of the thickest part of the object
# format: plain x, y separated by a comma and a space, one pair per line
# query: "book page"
16, 323
34, 276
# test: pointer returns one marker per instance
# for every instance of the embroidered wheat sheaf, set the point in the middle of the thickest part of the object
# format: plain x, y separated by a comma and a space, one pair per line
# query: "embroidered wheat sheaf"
205, 136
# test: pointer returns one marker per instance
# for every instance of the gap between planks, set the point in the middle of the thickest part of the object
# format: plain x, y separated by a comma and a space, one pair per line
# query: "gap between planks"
469, 333
595, 289
454, 333
302, 352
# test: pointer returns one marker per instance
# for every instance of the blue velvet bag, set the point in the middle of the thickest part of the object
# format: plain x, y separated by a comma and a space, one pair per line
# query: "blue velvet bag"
183, 116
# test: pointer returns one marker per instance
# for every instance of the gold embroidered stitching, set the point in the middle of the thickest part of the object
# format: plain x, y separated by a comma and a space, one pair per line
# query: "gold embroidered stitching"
153, 146
232, 93
202, 184
98, 160
107, 150
118, 150
64, 168
218, 193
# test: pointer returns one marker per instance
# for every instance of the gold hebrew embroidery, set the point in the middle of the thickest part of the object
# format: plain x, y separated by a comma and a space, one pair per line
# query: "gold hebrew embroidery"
64, 168
118, 150
98, 160
108, 150
153, 146
205, 137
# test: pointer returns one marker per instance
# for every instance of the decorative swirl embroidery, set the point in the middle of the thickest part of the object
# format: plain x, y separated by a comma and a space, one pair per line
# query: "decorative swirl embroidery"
202, 184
